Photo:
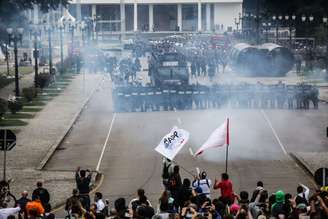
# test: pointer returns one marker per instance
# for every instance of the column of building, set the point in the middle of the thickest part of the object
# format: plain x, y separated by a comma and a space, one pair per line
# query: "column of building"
199, 15
208, 17
135, 16
179, 11
151, 17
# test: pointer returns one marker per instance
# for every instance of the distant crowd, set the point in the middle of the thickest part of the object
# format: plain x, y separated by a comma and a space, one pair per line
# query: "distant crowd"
180, 199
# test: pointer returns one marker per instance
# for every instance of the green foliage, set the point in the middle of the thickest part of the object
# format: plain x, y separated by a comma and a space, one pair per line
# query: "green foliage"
29, 93
15, 105
3, 107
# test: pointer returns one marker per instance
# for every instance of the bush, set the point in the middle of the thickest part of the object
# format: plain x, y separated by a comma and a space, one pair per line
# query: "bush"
3, 107
30, 93
43, 80
14, 105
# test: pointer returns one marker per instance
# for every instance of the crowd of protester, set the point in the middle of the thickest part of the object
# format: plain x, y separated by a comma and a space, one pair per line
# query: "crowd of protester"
180, 199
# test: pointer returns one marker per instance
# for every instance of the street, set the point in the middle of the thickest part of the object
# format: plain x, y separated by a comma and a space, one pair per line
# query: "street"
122, 146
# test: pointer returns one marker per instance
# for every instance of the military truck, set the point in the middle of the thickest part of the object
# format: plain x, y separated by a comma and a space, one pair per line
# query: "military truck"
168, 68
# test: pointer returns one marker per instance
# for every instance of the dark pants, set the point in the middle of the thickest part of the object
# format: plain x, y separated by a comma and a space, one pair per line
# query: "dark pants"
85, 201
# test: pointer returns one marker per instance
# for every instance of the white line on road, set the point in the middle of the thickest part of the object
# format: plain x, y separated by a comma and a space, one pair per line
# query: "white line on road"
274, 132
105, 144
179, 120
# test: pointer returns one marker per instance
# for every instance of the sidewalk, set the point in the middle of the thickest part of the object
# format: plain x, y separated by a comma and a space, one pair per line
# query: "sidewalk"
40, 138
311, 161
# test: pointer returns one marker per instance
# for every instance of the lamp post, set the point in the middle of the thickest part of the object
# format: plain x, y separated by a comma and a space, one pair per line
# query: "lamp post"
267, 26
291, 22
36, 33
274, 18
61, 28
48, 28
237, 25
307, 21
325, 21
83, 26
16, 35
7, 56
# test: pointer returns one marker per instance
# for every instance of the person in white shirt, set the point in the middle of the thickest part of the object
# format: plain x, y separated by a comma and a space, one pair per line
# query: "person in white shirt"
203, 183
5, 212
99, 202
141, 197
302, 194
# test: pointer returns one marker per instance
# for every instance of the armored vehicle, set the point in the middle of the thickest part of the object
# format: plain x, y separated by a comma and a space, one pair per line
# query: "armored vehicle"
169, 68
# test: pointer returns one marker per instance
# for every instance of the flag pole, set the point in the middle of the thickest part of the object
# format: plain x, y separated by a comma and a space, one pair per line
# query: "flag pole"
187, 171
227, 146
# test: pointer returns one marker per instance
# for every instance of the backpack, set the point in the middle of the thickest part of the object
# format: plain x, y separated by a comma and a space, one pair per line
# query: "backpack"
206, 183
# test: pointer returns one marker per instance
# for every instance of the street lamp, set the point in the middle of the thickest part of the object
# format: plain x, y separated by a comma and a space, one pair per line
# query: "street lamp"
66, 20
48, 28
61, 27
36, 33
267, 27
274, 18
15, 35
325, 21
237, 24
83, 26
304, 20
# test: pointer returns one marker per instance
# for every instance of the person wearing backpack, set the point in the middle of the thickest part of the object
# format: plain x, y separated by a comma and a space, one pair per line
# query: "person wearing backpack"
302, 194
204, 183
174, 185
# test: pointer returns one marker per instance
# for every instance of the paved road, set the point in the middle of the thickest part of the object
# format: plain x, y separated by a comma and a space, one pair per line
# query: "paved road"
259, 140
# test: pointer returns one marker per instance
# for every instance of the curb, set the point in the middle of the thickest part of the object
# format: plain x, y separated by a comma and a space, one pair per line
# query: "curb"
60, 140
98, 182
303, 164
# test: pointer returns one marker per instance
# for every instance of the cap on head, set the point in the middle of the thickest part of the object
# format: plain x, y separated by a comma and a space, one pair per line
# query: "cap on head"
280, 196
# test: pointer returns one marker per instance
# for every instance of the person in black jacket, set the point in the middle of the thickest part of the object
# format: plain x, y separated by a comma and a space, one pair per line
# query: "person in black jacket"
22, 203
42, 193
185, 193
83, 185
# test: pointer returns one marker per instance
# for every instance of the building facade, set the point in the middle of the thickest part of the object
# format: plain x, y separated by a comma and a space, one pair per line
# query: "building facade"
159, 15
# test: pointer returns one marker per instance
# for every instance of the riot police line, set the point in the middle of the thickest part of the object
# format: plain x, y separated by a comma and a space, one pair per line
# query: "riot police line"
279, 96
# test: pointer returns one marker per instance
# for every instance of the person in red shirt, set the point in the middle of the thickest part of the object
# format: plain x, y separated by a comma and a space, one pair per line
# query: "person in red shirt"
227, 195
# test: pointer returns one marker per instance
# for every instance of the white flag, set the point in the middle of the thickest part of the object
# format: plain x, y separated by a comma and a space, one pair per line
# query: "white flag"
172, 143
218, 138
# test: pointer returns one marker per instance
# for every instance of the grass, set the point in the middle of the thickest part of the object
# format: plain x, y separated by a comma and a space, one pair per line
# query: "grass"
19, 115
12, 122
30, 109
34, 103
21, 70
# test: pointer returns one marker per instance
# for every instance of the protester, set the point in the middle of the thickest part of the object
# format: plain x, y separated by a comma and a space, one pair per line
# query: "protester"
73, 203
42, 193
35, 208
22, 203
225, 185
99, 202
174, 184
204, 183
6, 212
302, 194
140, 199
258, 189
83, 185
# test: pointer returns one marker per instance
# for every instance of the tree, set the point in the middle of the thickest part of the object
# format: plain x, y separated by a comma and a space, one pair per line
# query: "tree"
11, 12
